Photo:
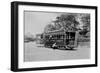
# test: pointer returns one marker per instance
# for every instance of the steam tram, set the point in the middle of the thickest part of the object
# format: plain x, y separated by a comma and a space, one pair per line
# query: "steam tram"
61, 39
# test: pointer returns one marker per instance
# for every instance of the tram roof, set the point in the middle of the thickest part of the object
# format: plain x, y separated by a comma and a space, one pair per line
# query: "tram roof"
60, 31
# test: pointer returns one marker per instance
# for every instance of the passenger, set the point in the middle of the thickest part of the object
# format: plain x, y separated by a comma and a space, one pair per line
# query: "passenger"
54, 46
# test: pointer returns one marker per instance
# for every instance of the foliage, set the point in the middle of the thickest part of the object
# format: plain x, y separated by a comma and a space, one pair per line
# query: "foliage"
29, 38
63, 21
68, 21
86, 24
71, 21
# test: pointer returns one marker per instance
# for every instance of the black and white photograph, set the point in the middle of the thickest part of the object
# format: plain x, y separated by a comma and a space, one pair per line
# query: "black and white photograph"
56, 36
53, 36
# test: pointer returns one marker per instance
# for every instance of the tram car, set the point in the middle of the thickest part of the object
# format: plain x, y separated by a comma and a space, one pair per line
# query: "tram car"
61, 39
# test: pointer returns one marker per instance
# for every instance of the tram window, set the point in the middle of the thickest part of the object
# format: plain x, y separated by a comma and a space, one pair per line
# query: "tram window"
63, 36
52, 36
58, 36
72, 35
46, 36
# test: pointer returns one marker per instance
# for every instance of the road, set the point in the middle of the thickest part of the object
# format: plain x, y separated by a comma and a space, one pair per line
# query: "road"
37, 52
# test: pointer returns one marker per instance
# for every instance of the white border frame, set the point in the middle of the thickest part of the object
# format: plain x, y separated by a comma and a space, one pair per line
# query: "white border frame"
22, 64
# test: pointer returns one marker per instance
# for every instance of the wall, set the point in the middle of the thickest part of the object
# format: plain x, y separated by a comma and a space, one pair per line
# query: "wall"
5, 17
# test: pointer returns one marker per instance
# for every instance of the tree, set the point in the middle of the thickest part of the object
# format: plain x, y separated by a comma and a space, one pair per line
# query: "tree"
49, 27
68, 21
57, 25
85, 19
65, 21
28, 37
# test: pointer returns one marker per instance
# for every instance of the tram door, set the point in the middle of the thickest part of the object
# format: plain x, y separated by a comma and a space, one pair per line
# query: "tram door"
70, 39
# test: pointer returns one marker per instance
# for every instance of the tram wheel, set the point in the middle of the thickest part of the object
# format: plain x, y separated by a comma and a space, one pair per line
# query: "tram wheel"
69, 48
55, 47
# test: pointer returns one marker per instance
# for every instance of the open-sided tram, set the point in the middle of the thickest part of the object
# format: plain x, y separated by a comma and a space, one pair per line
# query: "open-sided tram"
61, 39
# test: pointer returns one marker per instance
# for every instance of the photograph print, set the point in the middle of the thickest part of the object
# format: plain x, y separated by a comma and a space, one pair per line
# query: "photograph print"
56, 36
53, 36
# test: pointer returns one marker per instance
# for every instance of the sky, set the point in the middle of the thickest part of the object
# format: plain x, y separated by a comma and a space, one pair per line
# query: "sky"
36, 21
